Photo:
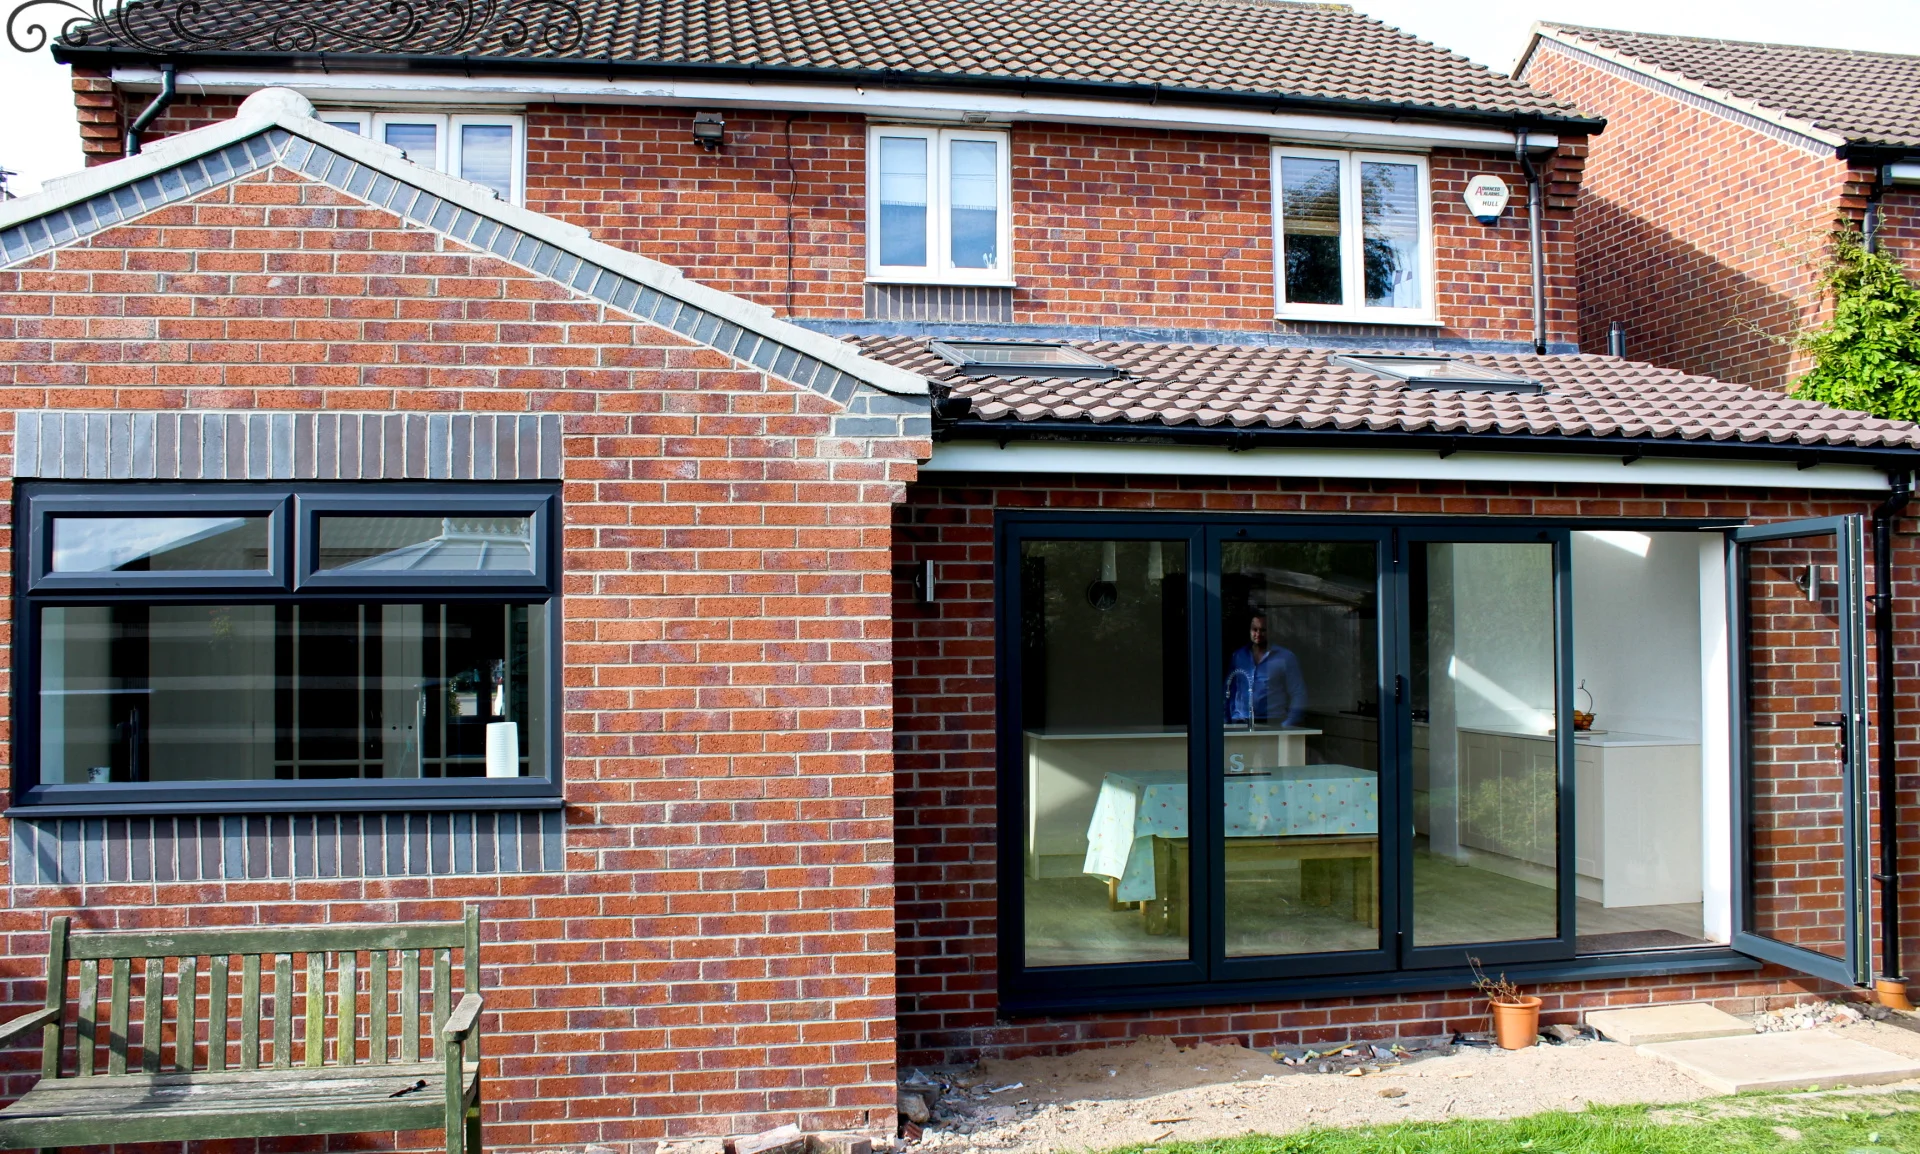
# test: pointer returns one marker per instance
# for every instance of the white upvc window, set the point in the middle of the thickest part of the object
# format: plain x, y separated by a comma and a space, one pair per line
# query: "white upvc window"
1354, 236
939, 206
489, 150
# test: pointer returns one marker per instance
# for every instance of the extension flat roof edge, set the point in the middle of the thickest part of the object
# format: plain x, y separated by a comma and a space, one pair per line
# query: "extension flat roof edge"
287, 110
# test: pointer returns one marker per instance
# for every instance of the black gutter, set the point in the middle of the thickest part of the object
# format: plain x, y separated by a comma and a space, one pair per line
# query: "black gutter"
1889, 876
607, 68
131, 146
954, 427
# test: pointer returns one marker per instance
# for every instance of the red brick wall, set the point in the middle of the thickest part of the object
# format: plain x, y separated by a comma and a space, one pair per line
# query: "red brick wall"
718, 955
1110, 224
1900, 227
945, 824
1700, 233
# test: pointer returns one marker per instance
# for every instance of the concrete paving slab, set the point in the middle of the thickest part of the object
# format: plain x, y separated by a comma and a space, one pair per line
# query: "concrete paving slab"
1678, 1022
1788, 1061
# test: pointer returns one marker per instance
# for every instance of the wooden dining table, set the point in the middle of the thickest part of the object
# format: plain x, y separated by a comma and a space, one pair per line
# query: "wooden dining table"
1325, 817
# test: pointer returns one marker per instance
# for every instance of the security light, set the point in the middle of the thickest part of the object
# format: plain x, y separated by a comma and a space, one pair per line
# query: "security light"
709, 130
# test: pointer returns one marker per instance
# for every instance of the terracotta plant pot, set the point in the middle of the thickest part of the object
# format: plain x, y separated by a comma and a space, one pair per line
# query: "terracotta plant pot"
1516, 1024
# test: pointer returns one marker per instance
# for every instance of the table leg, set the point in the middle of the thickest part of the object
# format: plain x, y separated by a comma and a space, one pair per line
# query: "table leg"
1155, 913
1177, 893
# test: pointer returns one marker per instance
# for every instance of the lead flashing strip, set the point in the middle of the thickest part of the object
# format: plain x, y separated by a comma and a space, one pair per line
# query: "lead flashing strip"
250, 446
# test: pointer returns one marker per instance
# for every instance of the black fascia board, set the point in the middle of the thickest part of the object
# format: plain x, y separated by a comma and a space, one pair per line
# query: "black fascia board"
106, 56
1876, 155
1628, 449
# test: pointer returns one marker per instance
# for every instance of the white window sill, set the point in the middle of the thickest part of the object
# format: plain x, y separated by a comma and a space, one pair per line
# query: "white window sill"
939, 281
1368, 319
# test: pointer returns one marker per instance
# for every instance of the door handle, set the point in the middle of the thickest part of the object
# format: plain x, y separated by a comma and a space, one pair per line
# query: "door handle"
1839, 726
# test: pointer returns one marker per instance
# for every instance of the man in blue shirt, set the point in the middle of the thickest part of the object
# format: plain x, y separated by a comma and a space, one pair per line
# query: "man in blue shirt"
1264, 682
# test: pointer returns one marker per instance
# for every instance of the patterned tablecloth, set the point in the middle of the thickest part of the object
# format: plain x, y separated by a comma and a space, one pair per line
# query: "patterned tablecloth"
1294, 800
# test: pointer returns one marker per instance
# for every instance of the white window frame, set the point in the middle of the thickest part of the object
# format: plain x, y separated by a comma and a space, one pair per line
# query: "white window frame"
1352, 249
363, 121
447, 128
939, 268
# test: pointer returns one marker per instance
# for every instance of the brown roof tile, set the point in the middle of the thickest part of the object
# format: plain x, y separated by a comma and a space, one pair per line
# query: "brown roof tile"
1866, 97
1264, 47
1241, 386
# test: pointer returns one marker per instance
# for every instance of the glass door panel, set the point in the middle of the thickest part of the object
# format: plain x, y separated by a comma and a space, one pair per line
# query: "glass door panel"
1803, 782
1105, 697
1300, 746
1484, 666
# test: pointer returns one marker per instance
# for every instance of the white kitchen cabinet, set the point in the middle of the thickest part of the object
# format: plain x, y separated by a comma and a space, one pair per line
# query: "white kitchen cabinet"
1636, 810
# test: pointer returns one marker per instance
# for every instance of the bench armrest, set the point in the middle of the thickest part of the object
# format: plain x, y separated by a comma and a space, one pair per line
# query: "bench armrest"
31, 1020
465, 1016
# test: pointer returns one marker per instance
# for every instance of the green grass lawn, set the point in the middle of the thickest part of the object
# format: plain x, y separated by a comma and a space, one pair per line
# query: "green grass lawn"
1803, 1124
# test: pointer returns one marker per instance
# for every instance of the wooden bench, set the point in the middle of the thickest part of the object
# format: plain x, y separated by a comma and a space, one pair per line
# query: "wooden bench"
174, 1070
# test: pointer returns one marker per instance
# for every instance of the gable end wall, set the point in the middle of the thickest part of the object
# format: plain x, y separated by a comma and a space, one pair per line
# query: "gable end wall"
716, 954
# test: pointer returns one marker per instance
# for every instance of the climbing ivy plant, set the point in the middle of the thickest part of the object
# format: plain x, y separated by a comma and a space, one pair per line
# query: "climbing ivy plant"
1867, 356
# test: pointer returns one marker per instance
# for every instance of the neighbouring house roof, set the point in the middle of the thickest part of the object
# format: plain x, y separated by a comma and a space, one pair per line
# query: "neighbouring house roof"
276, 126
1855, 97
1607, 402
1273, 49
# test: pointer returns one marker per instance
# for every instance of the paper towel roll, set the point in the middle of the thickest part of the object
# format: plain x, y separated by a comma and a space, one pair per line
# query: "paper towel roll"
503, 749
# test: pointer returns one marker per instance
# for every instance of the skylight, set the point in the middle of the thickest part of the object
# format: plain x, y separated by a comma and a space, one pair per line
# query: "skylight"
1436, 372
1022, 359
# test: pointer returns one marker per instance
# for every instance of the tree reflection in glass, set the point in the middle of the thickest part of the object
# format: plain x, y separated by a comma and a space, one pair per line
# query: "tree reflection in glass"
1310, 227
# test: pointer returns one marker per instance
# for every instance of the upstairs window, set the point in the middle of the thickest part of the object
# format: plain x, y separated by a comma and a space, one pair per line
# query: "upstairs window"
1354, 234
938, 206
488, 150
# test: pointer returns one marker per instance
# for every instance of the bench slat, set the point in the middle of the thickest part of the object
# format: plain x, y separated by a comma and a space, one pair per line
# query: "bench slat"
410, 1005
283, 1012
89, 1028
250, 1012
56, 994
265, 940
219, 1012
176, 1107
153, 989
377, 1008
442, 978
346, 1042
186, 1013
117, 1024
470, 961
316, 1007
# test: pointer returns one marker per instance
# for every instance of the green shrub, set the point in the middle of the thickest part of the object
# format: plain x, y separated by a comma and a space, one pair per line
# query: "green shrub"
1867, 356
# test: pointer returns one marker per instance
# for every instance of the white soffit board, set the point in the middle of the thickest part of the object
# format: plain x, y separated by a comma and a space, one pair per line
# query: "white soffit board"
1386, 465
916, 103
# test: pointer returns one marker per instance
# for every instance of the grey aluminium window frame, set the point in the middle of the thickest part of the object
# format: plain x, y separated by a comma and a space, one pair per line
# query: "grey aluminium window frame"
1206, 978
292, 509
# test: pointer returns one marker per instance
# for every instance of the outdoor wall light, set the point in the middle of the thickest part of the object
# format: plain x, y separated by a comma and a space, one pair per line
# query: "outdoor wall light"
709, 130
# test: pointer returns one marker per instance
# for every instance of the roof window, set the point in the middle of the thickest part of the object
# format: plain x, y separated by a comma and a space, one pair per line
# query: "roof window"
1022, 359
1429, 372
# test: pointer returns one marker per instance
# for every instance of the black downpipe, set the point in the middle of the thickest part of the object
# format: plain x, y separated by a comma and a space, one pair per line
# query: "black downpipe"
151, 111
1889, 877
